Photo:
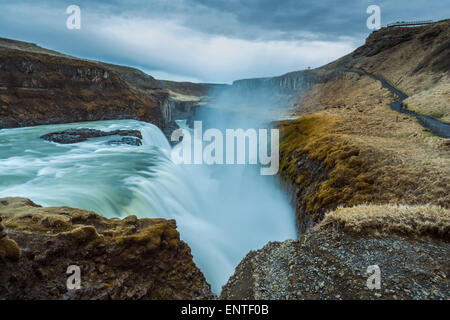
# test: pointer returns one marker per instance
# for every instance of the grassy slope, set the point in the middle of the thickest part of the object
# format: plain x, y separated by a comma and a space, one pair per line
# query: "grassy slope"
419, 66
349, 148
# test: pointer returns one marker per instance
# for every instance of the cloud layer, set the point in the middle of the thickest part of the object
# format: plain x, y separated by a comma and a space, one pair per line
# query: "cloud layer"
206, 40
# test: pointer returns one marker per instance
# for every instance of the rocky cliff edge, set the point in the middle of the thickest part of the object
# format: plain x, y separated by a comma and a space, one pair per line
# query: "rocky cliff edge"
118, 259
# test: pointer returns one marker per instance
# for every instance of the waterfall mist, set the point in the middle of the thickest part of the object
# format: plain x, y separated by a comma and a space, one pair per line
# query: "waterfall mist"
249, 209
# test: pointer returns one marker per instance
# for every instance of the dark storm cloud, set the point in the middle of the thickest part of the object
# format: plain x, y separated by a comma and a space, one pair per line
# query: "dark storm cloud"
288, 19
324, 18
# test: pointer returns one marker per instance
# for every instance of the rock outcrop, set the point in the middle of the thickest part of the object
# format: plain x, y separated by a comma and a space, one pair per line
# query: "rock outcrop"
80, 135
118, 259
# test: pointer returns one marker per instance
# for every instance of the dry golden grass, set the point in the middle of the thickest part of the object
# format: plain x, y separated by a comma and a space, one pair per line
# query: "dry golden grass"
348, 91
433, 102
409, 221
364, 162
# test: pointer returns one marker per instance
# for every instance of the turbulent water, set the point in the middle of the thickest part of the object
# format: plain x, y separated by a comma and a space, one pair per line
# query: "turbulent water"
221, 213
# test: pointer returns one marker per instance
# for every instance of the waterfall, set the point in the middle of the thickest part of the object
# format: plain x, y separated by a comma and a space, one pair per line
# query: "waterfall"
221, 213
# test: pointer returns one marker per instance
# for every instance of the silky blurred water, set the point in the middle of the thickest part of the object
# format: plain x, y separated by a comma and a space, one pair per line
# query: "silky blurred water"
221, 212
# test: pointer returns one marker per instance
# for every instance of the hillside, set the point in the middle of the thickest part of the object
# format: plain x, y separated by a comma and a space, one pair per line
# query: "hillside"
348, 147
413, 59
416, 60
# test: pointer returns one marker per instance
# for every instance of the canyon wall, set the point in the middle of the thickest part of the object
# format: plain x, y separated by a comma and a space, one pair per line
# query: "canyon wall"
41, 86
288, 83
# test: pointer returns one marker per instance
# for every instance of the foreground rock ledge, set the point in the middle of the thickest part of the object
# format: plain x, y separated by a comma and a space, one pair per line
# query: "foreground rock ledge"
119, 259
330, 261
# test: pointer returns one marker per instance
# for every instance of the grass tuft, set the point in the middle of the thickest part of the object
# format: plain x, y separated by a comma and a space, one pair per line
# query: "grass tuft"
425, 221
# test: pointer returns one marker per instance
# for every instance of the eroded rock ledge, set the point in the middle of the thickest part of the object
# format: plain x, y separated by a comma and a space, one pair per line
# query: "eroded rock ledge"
119, 259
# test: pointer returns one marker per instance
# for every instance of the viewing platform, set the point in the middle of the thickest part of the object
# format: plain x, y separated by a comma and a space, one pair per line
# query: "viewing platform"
409, 23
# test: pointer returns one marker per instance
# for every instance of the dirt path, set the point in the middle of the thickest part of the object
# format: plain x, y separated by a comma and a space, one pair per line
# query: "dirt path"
439, 128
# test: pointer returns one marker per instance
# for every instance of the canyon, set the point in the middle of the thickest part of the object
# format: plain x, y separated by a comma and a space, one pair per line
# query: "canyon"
369, 186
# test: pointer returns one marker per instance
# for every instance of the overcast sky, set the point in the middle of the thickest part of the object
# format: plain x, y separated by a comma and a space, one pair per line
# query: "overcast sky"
207, 40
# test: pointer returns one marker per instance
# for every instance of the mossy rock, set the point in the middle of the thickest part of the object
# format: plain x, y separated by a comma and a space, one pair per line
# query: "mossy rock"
83, 234
9, 249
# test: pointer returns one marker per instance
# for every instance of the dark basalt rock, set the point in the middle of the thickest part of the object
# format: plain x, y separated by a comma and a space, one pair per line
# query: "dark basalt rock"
80, 135
331, 264
127, 140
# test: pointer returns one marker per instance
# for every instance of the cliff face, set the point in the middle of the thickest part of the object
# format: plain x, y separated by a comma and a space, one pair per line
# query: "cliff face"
119, 259
148, 86
288, 83
269, 93
40, 86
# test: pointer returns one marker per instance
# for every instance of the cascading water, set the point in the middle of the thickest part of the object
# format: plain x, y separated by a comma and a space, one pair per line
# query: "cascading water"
221, 214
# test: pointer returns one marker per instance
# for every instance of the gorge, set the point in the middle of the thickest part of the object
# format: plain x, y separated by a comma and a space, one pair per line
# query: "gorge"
358, 185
